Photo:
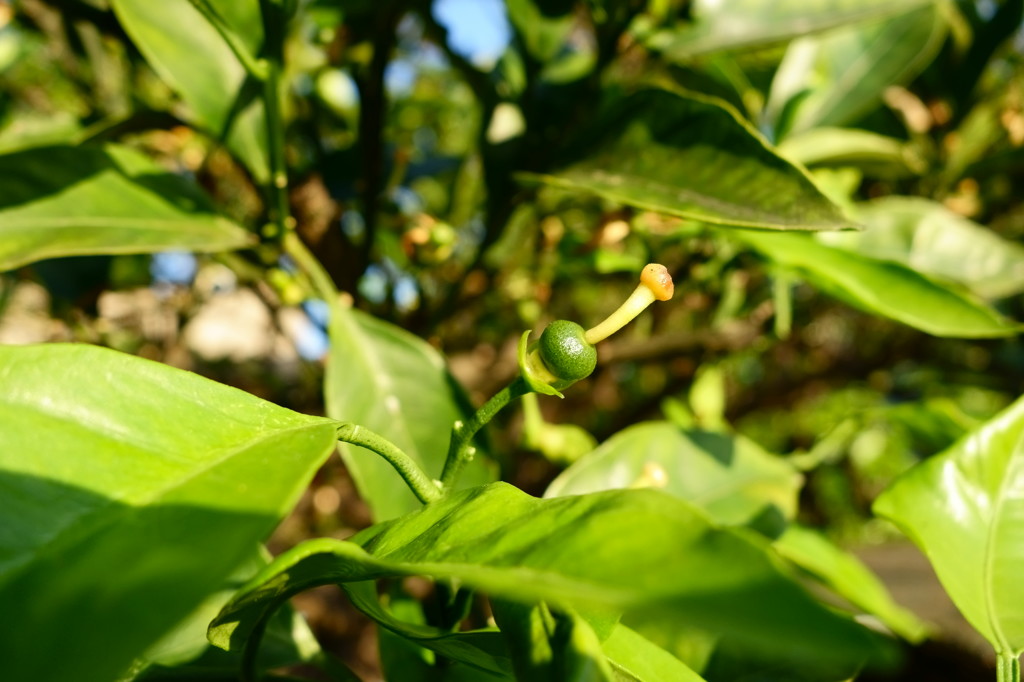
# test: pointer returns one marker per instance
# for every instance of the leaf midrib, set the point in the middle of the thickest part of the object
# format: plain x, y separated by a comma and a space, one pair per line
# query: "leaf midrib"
988, 565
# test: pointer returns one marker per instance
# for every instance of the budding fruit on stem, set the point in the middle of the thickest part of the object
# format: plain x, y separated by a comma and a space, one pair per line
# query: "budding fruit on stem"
565, 352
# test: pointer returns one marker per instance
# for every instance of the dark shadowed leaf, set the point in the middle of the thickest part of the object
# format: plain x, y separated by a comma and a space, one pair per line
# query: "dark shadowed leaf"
185, 654
482, 650
550, 645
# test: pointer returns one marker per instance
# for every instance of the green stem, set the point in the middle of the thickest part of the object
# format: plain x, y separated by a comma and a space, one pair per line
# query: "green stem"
255, 68
1007, 667
323, 285
782, 294
275, 149
460, 449
425, 489
274, 19
533, 422
280, 212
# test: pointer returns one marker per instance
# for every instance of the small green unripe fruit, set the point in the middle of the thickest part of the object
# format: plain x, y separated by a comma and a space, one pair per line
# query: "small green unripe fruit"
565, 352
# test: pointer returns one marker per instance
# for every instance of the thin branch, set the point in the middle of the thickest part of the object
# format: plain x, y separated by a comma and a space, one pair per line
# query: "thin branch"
425, 489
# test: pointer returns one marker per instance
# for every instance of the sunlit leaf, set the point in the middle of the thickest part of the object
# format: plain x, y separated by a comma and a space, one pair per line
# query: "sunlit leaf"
736, 24
129, 491
836, 78
730, 477
882, 287
386, 379
690, 156
635, 658
845, 574
852, 147
188, 53
930, 238
639, 551
72, 201
965, 509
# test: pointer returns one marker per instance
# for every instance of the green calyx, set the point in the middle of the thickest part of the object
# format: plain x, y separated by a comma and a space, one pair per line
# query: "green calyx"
560, 358
565, 352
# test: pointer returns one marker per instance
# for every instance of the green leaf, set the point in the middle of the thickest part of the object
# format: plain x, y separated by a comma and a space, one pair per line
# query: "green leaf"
837, 78
481, 649
189, 54
186, 654
543, 32
384, 378
550, 645
634, 658
730, 477
848, 577
964, 509
882, 287
639, 551
129, 492
708, 397
694, 157
883, 155
928, 237
742, 24
72, 201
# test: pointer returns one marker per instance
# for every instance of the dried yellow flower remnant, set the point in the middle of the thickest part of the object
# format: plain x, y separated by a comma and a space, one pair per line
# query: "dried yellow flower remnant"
655, 285
657, 278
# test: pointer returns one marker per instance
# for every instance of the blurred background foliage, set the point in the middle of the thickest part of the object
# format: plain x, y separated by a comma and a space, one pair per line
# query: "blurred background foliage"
420, 138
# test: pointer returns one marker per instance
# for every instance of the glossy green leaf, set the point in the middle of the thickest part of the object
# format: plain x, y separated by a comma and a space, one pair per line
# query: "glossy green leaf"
728, 476
836, 78
634, 658
929, 238
965, 509
882, 287
71, 201
129, 491
189, 54
848, 577
735, 24
386, 379
639, 551
693, 157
